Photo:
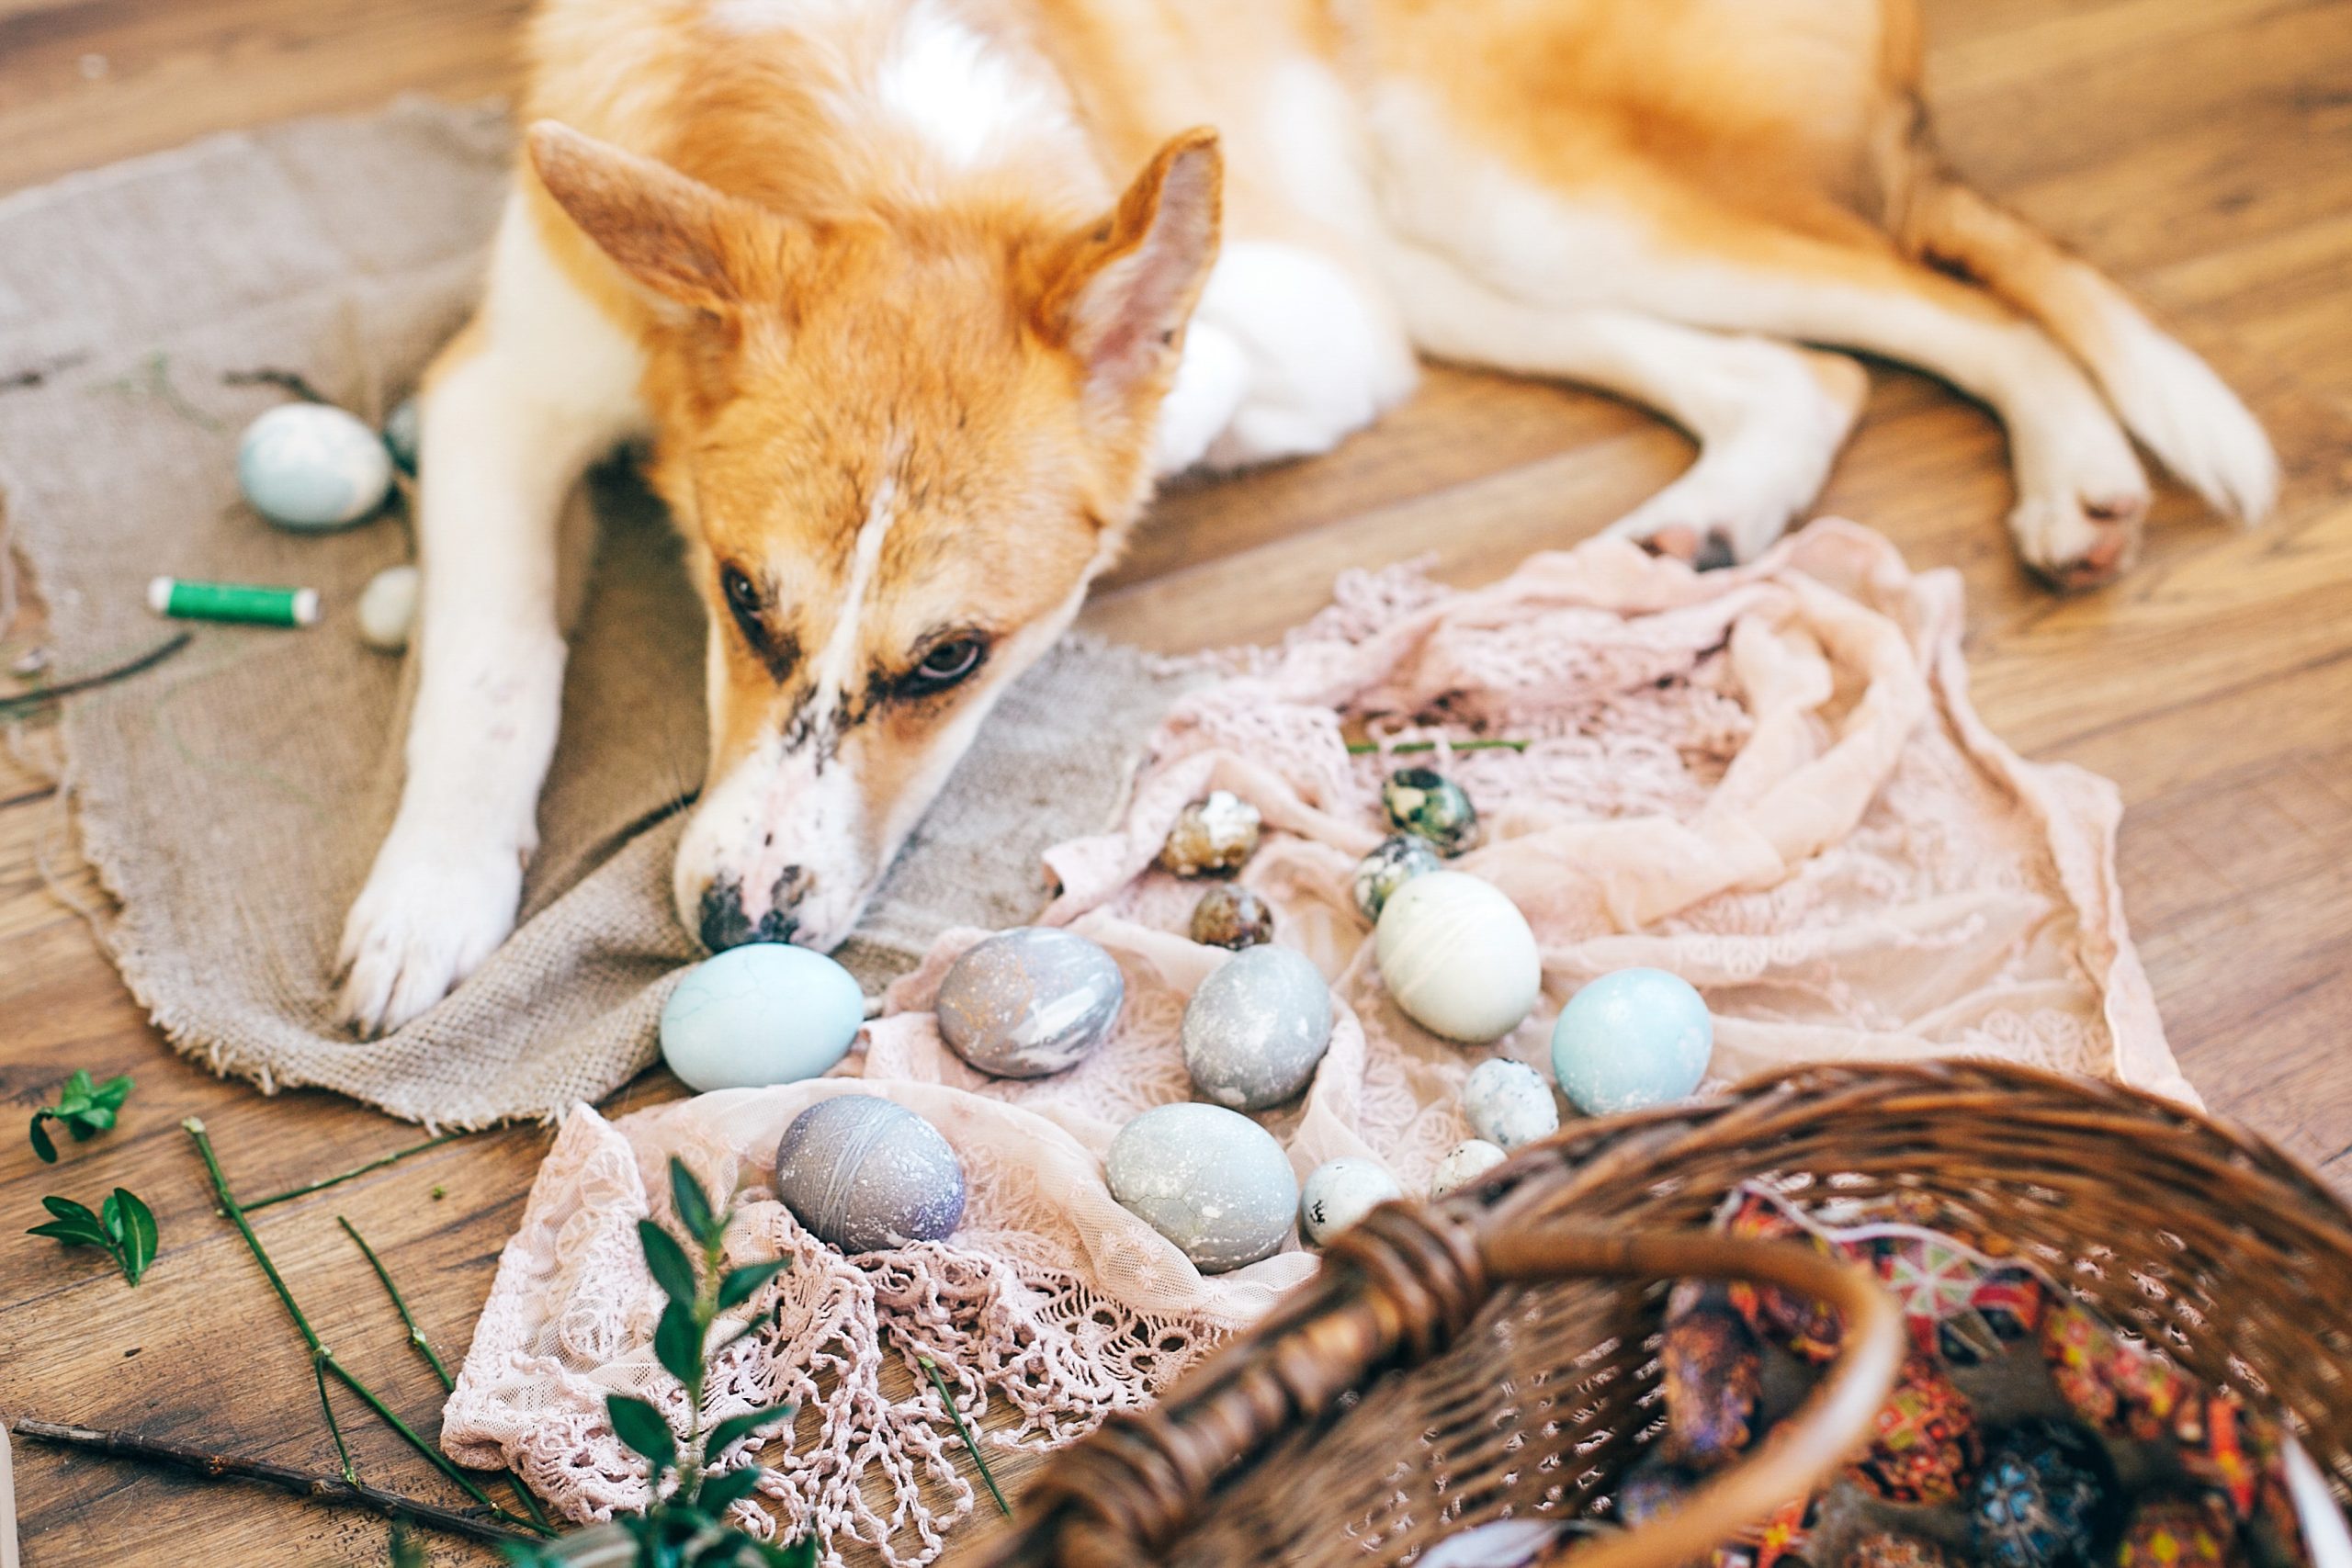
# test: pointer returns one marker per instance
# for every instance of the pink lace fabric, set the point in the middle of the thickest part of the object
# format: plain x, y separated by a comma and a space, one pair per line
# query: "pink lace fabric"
1768, 780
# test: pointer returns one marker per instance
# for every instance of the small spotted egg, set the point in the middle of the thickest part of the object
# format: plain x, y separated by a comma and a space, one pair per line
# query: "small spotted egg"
387, 609
1424, 802
1509, 1103
1464, 1164
1397, 861
1340, 1191
1211, 836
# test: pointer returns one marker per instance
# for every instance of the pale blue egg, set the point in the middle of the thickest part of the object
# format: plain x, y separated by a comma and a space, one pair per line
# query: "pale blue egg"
760, 1014
1631, 1039
1209, 1180
310, 466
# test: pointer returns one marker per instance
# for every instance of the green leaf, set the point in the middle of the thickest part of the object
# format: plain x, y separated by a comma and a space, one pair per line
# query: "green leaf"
677, 1345
88, 1122
736, 1428
41, 1145
110, 1217
138, 1235
76, 1092
668, 1261
801, 1553
66, 1209
640, 1425
741, 1284
113, 1092
692, 1204
719, 1491
72, 1232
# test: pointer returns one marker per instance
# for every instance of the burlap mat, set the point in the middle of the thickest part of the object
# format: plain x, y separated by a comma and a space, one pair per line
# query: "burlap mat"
233, 799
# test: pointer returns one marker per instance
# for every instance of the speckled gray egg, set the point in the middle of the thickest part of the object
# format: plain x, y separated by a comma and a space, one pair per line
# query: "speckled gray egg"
1424, 802
1211, 836
1209, 1180
1255, 1029
1464, 1164
1396, 861
1340, 1191
1509, 1103
864, 1174
1232, 916
1029, 1002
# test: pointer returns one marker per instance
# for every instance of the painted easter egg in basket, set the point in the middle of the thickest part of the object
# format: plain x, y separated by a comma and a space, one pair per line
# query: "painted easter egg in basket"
2177, 1532
1339, 1192
2047, 1497
1256, 1028
1508, 1103
1213, 835
1029, 1002
1430, 807
1209, 1180
1392, 864
1630, 1040
1896, 1548
1231, 916
1458, 957
1711, 1371
864, 1174
763, 1013
310, 467
1924, 1442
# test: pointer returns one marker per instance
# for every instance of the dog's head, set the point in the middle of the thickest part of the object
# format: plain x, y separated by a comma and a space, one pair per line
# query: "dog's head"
899, 446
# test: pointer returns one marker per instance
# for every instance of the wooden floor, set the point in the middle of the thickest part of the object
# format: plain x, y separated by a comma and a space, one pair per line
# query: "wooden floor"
2201, 150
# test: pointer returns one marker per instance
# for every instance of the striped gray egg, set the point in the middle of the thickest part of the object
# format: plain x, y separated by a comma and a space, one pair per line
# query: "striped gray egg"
1030, 1003
864, 1174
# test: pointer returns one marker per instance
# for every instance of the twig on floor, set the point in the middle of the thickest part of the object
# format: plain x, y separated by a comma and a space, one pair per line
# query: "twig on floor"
26, 702
376, 1164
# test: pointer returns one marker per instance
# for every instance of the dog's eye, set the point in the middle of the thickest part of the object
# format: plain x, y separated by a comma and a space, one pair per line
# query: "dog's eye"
741, 597
946, 664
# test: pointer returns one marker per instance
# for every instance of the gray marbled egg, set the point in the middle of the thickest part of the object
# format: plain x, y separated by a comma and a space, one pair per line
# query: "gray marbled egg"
1424, 801
1232, 916
1509, 1103
1255, 1029
1209, 1180
1211, 836
1029, 1002
1340, 1191
864, 1174
1396, 861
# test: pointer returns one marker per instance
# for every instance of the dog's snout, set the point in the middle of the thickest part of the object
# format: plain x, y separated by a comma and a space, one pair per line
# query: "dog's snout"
726, 921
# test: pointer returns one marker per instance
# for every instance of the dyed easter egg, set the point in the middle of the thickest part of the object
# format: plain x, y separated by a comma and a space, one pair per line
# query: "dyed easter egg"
2175, 1532
864, 1174
1029, 1002
310, 466
1209, 1180
1711, 1370
1230, 915
1892, 1548
764, 1013
1458, 957
1340, 1191
1923, 1442
401, 433
1426, 804
2047, 1497
1651, 1491
1397, 861
1632, 1039
1509, 1103
1211, 836
387, 608
1255, 1028
1464, 1164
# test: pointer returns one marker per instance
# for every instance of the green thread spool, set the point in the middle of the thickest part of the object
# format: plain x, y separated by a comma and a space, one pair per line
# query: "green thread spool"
261, 605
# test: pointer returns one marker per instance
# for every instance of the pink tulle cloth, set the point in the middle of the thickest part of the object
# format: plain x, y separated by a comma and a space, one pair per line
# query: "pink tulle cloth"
1767, 780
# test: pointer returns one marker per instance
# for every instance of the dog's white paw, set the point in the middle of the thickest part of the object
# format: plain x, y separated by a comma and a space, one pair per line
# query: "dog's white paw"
2190, 420
2082, 495
431, 913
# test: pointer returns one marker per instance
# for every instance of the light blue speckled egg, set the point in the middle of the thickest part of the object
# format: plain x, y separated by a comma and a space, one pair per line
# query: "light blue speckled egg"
1632, 1039
865, 1173
1509, 1103
1255, 1029
760, 1014
1209, 1180
1340, 1191
308, 466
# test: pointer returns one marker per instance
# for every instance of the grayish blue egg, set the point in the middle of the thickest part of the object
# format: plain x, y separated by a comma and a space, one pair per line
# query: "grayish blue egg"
764, 1013
1632, 1039
1340, 1191
310, 467
1030, 1003
1209, 1180
1509, 1103
1255, 1029
864, 1174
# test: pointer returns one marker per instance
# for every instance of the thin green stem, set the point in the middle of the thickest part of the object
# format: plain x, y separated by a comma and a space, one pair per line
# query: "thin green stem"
335, 1428
357, 1172
321, 1355
930, 1368
1368, 748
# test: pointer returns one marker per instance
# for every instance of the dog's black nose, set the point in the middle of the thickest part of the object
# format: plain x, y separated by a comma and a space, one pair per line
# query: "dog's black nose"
725, 923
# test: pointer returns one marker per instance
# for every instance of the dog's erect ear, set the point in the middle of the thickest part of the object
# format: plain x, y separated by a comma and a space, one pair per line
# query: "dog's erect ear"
1118, 294
674, 234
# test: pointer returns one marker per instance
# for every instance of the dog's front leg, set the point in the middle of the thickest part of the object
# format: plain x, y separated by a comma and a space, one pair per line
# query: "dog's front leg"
517, 407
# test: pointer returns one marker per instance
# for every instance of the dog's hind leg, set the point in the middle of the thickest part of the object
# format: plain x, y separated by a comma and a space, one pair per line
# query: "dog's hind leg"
539, 386
1769, 417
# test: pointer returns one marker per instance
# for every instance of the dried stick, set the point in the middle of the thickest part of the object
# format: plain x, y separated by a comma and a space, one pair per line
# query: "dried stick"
1368, 748
970, 1446
376, 1164
333, 1491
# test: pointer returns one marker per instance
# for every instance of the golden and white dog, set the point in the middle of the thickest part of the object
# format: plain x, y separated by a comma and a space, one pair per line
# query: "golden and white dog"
910, 359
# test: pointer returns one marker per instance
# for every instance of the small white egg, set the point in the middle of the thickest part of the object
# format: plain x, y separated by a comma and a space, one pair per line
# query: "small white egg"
1464, 1164
387, 609
1458, 956
1340, 1191
1509, 1103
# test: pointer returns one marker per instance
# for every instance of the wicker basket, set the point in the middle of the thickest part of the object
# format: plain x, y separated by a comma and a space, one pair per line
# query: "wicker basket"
1493, 1354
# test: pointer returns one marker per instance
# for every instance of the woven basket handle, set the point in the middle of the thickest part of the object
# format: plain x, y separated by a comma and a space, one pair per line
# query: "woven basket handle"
1394, 1292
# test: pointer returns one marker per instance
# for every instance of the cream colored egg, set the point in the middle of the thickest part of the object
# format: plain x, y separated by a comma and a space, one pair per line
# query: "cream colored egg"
387, 608
1458, 956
